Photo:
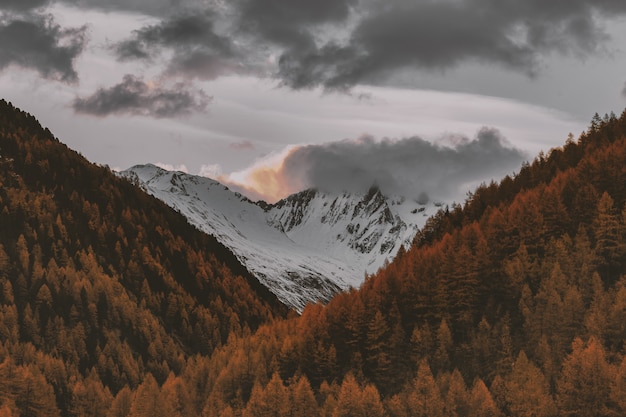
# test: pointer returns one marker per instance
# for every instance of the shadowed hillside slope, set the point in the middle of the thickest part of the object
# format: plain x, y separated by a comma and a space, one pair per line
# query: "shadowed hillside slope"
512, 304
101, 284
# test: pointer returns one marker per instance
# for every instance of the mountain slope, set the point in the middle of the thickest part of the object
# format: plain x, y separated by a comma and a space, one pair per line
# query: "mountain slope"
304, 248
102, 285
513, 304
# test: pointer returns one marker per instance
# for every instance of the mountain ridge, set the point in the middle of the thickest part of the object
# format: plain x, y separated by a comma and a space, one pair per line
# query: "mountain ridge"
512, 304
101, 285
305, 247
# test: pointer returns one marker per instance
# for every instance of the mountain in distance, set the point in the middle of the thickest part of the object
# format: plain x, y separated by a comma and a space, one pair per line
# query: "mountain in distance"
513, 304
304, 248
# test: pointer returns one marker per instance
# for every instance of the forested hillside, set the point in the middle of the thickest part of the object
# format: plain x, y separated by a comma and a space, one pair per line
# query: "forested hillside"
513, 304
104, 289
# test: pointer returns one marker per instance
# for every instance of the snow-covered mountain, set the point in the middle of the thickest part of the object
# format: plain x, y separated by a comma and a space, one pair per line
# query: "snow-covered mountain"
304, 248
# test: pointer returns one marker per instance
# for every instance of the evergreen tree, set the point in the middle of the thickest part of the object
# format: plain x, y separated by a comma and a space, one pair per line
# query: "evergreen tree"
527, 390
147, 400
424, 398
302, 401
349, 400
584, 388
90, 398
609, 249
121, 404
273, 401
441, 356
457, 398
377, 359
481, 403
371, 403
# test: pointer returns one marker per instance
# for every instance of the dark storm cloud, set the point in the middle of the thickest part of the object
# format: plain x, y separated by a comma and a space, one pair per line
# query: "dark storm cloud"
409, 167
425, 35
441, 35
133, 96
339, 43
288, 22
254, 29
22, 5
36, 42
198, 50
157, 8
184, 32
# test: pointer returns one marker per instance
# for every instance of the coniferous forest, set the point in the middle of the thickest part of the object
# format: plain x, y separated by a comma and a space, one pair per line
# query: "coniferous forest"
512, 304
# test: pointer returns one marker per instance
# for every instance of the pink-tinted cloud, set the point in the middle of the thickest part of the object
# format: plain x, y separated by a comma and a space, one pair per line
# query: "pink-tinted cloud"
267, 179
409, 167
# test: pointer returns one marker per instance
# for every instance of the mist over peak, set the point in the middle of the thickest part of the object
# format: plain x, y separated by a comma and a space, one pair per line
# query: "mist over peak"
412, 167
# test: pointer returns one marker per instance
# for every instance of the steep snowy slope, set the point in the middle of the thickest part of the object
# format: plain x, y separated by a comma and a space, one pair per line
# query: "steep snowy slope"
363, 231
304, 248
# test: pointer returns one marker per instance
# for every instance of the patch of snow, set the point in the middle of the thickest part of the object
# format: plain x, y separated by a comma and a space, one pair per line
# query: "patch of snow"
305, 248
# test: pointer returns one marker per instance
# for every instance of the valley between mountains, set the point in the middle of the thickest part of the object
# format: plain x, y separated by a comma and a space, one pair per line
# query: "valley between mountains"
115, 304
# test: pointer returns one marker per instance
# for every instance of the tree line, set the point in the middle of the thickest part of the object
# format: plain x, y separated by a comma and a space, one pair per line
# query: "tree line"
513, 303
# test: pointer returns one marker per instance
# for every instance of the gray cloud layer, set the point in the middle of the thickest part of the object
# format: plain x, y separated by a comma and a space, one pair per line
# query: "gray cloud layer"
340, 43
34, 41
409, 167
198, 51
335, 44
155, 8
133, 96
441, 35
22, 5
289, 23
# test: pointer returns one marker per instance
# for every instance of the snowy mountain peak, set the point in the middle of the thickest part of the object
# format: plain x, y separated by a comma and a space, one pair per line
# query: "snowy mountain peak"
304, 248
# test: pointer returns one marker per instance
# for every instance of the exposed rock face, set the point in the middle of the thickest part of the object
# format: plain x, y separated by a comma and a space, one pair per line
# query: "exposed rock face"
304, 248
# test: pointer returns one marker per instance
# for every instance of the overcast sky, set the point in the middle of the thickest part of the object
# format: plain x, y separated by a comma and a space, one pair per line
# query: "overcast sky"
272, 96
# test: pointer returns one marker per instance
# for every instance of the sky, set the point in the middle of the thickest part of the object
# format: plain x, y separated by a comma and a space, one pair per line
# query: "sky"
420, 97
